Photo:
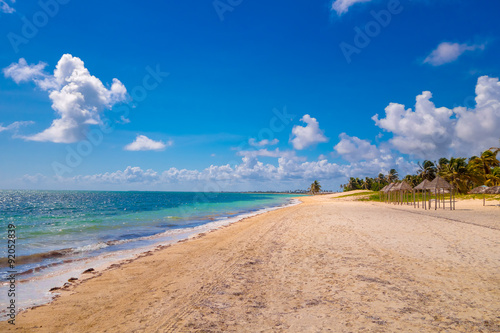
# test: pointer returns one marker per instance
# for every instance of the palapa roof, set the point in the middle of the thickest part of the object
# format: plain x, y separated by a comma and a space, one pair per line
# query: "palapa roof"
479, 190
423, 185
439, 183
388, 187
493, 190
403, 186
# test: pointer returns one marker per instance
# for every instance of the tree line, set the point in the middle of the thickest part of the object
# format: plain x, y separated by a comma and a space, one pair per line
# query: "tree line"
461, 172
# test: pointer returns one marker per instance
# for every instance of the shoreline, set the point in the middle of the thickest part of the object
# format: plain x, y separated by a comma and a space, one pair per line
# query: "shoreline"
49, 285
314, 265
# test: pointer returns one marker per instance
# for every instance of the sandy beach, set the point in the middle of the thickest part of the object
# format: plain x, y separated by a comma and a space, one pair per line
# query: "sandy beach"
328, 264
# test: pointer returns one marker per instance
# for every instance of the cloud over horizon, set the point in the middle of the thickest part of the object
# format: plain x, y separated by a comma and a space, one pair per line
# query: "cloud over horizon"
78, 97
249, 171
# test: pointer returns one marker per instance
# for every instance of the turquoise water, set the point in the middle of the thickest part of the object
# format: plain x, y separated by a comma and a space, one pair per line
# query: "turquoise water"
58, 227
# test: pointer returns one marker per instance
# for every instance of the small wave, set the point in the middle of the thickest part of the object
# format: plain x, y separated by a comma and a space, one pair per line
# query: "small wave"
91, 247
37, 257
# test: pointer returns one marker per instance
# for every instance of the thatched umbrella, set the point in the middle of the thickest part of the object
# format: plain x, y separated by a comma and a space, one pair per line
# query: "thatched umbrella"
439, 185
422, 187
493, 190
480, 190
382, 191
402, 189
387, 190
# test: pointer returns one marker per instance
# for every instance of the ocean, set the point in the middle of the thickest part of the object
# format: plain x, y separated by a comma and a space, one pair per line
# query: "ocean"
60, 233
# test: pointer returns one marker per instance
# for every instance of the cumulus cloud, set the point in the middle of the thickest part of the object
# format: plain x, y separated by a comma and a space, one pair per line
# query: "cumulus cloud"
253, 142
425, 132
342, 6
5, 7
78, 97
143, 143
449, 52
22, 72
432, 132
305, 136
479, 128
354, 149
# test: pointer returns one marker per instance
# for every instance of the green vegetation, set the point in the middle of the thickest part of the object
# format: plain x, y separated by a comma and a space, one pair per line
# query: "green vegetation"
315, 187
464, 174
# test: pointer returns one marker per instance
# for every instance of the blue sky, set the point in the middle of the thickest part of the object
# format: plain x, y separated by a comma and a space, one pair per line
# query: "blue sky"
241, 95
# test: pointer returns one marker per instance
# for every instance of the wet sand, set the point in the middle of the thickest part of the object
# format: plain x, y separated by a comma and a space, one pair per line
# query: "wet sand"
326, 265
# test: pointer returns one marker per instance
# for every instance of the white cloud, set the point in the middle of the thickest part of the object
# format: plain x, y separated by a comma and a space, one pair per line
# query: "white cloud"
78, 97
5, 7
22, 72
143, 143
449, 52
127, 176
308, 135
478, 129
342, 6
262, 143
290, 154
34, 179
425, 132
431, 132
353, 149
249, 170
15, 126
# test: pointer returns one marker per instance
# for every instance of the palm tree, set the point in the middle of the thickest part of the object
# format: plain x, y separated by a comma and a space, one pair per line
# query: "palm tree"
392, 176
495, 150
413, 180
367, 183
493, 179
427, 170
381, 178
442, 163
352, 184
485, 162
315, 187
459, 173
